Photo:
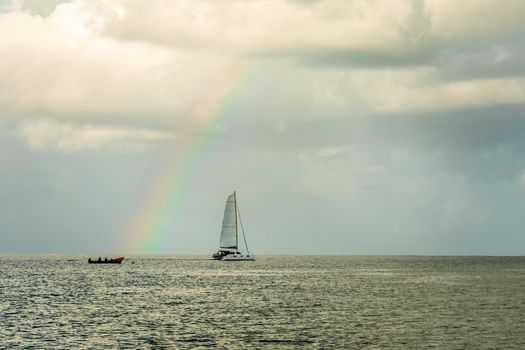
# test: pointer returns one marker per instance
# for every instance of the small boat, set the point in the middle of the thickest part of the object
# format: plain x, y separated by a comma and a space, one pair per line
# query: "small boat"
106, 261
228, 246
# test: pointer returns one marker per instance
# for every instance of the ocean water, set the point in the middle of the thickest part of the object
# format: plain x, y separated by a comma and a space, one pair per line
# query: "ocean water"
188, 302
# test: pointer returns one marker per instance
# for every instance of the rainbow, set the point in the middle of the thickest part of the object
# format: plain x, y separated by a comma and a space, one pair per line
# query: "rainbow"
149, 226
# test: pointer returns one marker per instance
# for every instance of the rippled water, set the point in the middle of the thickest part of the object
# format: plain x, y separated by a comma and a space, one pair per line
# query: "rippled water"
57, 301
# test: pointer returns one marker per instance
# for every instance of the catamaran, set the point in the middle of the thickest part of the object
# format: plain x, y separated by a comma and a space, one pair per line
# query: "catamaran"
229, 243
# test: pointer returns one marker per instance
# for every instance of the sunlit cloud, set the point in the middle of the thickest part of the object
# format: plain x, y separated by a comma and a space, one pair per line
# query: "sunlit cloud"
52, 136
156, 63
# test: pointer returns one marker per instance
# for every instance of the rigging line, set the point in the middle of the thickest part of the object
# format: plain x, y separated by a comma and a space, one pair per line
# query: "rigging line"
242, 229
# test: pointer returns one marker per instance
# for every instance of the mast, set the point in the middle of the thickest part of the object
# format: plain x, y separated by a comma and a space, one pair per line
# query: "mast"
236, 233
242, 227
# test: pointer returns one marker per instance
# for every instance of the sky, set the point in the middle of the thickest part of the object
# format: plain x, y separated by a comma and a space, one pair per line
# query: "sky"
361, 127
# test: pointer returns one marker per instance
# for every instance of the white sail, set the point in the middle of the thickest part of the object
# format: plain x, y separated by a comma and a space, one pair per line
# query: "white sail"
229, 224
228, 250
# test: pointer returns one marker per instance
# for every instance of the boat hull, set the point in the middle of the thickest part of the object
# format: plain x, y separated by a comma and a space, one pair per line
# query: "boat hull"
233, 256
111, 261
239, 258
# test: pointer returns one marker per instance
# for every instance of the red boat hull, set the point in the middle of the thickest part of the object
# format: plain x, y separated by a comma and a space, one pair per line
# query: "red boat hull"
111, 261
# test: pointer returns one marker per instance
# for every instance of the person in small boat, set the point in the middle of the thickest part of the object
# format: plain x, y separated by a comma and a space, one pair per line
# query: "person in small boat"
89, 260
105, 259
99, 258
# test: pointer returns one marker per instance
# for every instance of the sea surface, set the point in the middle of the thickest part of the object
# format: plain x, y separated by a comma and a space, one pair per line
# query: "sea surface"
277, 302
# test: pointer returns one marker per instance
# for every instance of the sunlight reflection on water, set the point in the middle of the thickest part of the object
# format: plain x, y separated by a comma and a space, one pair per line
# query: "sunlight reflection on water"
60, 301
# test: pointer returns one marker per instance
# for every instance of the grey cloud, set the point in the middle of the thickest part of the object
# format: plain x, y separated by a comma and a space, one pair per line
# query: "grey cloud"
416, 47
452, 61
486, 60
37, 7
42, 7
482, 144
317, 167
365, 59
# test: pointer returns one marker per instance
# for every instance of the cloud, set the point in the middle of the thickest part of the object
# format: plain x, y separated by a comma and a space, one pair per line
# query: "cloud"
455, 95
474, 19
323, 152
521, 178
161, 64
328, 32
48, 135
60, 66
261, 26
419, 89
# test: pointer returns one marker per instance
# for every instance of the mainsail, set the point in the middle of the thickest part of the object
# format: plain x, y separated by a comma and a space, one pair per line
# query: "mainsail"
229, 224
229, 244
